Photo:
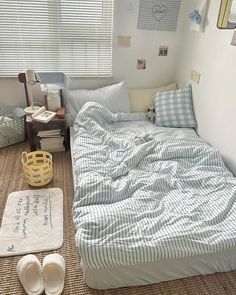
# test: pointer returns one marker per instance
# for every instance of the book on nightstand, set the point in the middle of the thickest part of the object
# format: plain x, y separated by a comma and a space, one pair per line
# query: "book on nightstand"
50, 133
43, 116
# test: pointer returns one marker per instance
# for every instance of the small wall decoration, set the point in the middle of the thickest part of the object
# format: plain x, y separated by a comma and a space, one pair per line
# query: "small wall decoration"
158, 15
141, 64
198, 15
123, 41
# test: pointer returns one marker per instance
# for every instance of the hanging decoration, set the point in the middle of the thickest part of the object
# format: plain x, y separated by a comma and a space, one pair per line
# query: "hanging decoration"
158, 15
198, 16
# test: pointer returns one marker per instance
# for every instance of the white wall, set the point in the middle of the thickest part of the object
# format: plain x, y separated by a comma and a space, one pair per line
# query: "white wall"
211, 54
144, 44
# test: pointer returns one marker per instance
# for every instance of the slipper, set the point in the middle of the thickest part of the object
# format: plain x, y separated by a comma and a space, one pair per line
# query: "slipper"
30, 274
54, 273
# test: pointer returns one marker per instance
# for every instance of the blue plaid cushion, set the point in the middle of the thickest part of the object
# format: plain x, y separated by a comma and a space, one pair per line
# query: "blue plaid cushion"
175, 108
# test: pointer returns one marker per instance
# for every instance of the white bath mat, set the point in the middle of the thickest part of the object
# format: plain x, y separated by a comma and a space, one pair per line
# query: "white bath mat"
32, 222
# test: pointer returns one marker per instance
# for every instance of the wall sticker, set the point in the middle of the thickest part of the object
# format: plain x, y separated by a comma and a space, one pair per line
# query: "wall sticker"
141, 64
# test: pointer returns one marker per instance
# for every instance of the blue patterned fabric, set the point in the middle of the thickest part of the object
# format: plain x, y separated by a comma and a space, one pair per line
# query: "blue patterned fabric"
175, 108
145, 193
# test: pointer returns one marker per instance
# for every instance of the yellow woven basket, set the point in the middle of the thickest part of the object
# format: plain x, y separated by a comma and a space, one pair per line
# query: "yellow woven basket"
37, 167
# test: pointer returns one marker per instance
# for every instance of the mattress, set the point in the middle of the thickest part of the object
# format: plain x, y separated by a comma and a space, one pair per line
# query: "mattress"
168, 211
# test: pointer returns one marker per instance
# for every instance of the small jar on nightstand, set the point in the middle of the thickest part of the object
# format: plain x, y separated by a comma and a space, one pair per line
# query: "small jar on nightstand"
53, 100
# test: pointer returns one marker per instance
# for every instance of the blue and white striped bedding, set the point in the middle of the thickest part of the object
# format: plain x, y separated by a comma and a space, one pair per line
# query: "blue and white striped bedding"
145, 193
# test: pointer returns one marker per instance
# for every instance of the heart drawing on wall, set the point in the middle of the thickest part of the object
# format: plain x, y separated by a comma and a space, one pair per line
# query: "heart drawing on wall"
159, 12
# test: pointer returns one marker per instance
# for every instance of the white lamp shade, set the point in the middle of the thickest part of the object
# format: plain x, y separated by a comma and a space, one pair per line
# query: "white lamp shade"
30, 77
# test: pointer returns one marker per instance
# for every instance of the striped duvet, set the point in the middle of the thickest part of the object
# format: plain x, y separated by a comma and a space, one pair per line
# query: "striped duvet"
145, 193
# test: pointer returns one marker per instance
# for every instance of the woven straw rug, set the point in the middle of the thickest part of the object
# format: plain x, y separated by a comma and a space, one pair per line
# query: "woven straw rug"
11, 179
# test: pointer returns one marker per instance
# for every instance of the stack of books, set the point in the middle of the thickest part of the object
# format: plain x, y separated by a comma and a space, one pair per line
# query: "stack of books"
51, 140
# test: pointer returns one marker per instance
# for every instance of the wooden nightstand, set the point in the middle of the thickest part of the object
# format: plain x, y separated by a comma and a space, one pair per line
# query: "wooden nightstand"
33, 127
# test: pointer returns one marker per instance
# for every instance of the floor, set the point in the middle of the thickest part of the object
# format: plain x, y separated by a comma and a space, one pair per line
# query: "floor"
12, 179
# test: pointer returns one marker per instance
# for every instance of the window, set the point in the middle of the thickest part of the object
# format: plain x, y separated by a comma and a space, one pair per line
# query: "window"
73, 36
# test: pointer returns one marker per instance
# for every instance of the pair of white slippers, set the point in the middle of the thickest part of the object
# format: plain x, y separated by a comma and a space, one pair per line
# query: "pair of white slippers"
36, 278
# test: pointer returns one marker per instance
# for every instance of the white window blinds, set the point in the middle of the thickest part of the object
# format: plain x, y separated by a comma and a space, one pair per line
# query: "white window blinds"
73, 36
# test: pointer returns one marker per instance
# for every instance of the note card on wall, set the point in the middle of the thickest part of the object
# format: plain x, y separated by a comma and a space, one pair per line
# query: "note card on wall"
158, 15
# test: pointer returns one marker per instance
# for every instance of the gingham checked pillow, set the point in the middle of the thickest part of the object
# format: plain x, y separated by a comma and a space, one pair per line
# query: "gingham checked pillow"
175, 108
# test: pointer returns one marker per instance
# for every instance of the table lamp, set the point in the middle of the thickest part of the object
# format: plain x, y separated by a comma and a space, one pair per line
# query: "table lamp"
31, 80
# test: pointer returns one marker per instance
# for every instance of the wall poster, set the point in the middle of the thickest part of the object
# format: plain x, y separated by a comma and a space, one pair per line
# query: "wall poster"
158, 15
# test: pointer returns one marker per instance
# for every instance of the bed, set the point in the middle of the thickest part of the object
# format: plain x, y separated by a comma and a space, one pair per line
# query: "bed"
151, 203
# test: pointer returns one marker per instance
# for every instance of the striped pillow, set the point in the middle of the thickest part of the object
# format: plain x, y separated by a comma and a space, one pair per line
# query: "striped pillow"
175, 108
114, 97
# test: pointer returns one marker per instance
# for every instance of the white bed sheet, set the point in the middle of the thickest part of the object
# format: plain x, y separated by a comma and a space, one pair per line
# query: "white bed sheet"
150, 273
